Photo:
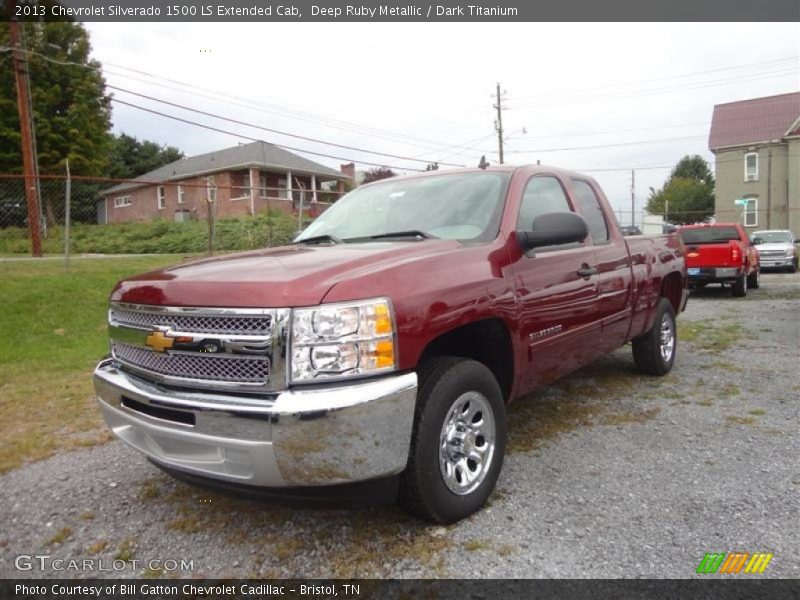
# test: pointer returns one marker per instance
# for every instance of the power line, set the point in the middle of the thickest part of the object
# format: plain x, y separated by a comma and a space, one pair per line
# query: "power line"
287, 113
309, 117
657, 91
301, 137
247, 137
679, 139
623, 84
284, 110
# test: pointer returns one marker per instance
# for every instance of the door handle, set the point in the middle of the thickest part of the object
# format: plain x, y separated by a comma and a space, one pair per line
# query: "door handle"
586, 271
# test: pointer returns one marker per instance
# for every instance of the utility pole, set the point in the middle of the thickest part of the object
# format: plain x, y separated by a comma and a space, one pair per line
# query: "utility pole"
769, 185
20, 62
633, 198
498, 124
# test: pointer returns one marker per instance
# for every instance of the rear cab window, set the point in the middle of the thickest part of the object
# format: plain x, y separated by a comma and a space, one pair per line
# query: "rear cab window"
710, 235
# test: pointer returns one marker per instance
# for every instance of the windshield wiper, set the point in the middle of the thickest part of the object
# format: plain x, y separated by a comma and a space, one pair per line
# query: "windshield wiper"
320, 238
410, 233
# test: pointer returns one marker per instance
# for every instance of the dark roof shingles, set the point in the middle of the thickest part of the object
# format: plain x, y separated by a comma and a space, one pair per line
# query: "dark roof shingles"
255, 153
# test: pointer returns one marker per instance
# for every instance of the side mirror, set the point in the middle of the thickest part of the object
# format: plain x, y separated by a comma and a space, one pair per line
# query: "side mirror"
758, 241
554, 228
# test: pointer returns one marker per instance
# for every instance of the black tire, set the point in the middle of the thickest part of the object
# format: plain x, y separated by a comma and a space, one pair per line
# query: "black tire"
793, 268
424, 491
647, 348
739, 287
752, 280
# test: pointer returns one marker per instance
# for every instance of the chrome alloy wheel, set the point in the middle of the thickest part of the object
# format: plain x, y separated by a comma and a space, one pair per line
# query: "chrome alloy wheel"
466, 444
667, 341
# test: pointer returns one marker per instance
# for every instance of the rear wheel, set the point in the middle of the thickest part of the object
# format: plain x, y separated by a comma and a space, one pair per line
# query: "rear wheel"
458, 442
740, 287
752, 279
654, 352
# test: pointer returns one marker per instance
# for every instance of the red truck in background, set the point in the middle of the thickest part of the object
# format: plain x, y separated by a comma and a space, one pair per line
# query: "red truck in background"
721, 253
376, 354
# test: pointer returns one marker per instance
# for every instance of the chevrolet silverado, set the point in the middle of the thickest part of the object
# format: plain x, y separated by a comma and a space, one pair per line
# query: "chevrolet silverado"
721, 253
377, 353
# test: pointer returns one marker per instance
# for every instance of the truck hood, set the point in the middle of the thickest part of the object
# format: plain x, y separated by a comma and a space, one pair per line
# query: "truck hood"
287, 276
782, 246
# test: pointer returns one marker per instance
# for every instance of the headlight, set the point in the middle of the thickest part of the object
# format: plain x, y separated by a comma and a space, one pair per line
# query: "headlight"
342, 340
789, 252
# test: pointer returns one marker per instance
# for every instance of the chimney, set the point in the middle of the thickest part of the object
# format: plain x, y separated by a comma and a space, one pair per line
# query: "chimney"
349, 170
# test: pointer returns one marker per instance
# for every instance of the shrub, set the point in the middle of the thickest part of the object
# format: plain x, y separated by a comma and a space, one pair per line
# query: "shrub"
158, 237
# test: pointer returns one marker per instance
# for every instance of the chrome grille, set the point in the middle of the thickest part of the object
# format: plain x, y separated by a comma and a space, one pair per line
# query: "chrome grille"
246, 369
772, 253
238, 324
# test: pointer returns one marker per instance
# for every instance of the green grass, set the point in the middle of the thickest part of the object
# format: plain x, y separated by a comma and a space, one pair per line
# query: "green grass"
162, 237
710, 337
53, 328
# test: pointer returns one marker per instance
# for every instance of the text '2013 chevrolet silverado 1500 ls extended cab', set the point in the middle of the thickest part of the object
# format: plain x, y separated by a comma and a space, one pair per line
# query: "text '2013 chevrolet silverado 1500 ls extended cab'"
377, 353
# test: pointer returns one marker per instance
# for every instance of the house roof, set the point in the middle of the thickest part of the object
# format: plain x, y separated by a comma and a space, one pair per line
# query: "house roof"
753, 121
255, 154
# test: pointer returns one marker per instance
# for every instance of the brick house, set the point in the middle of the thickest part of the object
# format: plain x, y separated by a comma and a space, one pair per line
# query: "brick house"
756, 146
242, 180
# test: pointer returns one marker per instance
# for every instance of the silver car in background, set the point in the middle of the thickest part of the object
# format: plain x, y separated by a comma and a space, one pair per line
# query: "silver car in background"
776, 249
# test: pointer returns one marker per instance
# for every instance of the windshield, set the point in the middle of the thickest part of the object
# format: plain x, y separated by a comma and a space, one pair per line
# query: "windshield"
460, 206
709, 235
771, 237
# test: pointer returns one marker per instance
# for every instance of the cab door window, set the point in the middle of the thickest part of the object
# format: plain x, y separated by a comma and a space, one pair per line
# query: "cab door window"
589, 205
542, 195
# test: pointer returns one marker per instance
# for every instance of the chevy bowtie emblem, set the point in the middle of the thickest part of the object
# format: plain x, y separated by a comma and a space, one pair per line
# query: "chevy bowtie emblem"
158, 341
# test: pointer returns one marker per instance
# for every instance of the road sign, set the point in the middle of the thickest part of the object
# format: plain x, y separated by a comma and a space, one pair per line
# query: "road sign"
740, 202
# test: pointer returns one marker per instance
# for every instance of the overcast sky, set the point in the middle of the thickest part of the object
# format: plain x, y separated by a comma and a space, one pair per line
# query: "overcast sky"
424, 90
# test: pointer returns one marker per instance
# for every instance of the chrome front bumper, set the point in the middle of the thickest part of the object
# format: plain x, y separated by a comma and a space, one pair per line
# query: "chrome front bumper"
301, 437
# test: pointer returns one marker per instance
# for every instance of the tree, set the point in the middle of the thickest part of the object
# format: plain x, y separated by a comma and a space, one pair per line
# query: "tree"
432, 167
694, 167
130, 158
72, 112
688, 194
377, 174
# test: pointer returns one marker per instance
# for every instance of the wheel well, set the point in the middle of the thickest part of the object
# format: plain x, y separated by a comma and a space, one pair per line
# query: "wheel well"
671, 289
487, 341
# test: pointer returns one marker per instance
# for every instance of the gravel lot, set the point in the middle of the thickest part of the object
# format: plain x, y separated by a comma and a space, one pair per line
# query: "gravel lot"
610, 474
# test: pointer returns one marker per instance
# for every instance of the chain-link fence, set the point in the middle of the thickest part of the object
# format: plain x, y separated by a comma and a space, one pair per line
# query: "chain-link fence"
81, 215
100, 216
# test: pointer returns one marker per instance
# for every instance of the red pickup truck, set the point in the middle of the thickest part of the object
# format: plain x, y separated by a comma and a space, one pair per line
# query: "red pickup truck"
721, 253
376, 354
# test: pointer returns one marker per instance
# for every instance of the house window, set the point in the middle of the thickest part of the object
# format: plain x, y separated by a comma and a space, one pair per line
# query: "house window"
751, 213
751, 166
122, 201
181, 199
243, 189
162, 198
262, 186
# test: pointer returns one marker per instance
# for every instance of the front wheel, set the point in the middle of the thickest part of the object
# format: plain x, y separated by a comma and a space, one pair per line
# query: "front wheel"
458, 442
654, 352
